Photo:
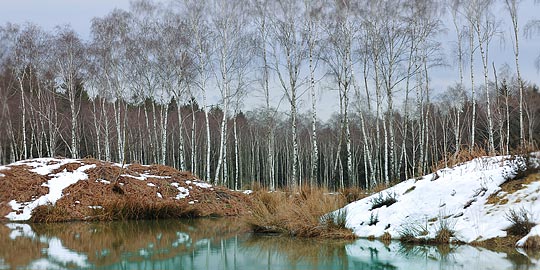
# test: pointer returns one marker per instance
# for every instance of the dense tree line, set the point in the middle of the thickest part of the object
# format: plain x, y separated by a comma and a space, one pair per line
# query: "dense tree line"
138, 90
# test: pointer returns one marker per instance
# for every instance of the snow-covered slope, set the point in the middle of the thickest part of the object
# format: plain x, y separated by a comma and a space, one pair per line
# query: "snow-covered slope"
456, 197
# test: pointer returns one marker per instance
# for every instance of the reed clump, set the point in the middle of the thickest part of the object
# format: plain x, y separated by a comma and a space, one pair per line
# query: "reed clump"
307, 212
116, 209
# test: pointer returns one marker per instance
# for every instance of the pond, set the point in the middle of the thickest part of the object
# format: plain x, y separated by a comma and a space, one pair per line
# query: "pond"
222, 244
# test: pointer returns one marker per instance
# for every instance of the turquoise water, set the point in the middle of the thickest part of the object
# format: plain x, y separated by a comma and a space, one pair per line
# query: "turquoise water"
222, 244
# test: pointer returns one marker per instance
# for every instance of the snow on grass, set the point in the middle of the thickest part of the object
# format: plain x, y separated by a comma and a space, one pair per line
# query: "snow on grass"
44, 166
535, 231
455, 196
144, 177
141, 178
59, 181
103, 181
199, 184
183, 192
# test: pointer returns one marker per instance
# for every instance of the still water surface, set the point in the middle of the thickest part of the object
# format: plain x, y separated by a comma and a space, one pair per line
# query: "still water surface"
222, 244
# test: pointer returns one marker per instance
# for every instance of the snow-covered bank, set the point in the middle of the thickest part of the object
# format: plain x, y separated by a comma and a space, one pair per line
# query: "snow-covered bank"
455, 197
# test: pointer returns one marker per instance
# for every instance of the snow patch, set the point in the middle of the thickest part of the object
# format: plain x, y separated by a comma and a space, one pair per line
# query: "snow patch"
58, 182
199, 184
151, 184
45, 166
535, 231
103, 181
159, 195
142, 178
95, 207
183, 192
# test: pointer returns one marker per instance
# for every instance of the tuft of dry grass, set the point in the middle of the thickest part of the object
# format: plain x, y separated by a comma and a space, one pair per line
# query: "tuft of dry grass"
443, 236
532, 243
116, 209
499, 243
383, 200
49, 213
386, 238
521, 222
464, 155
303, 213
353, 194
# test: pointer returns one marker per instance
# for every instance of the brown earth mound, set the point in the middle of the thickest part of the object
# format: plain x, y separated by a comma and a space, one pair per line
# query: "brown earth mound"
113, 192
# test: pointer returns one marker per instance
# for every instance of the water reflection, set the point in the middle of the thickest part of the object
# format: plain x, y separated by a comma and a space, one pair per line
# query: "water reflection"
222, 244
375, 255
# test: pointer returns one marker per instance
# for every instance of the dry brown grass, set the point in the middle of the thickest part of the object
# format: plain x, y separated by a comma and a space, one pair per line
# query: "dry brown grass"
443, 236
512, 186
298, 213
499, 243
386, 238
120, 196
353, 194
532, 243
463, 155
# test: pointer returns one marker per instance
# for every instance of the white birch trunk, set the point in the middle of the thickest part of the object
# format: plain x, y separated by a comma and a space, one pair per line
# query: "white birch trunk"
181, 136
484, 57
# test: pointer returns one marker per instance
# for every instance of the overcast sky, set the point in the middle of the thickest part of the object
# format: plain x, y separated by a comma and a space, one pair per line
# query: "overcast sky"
78, 13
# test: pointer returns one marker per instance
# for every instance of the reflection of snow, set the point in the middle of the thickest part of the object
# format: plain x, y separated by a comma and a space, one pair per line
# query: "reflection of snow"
182, 238
427, 257
20, 230
202, 242
58, 253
